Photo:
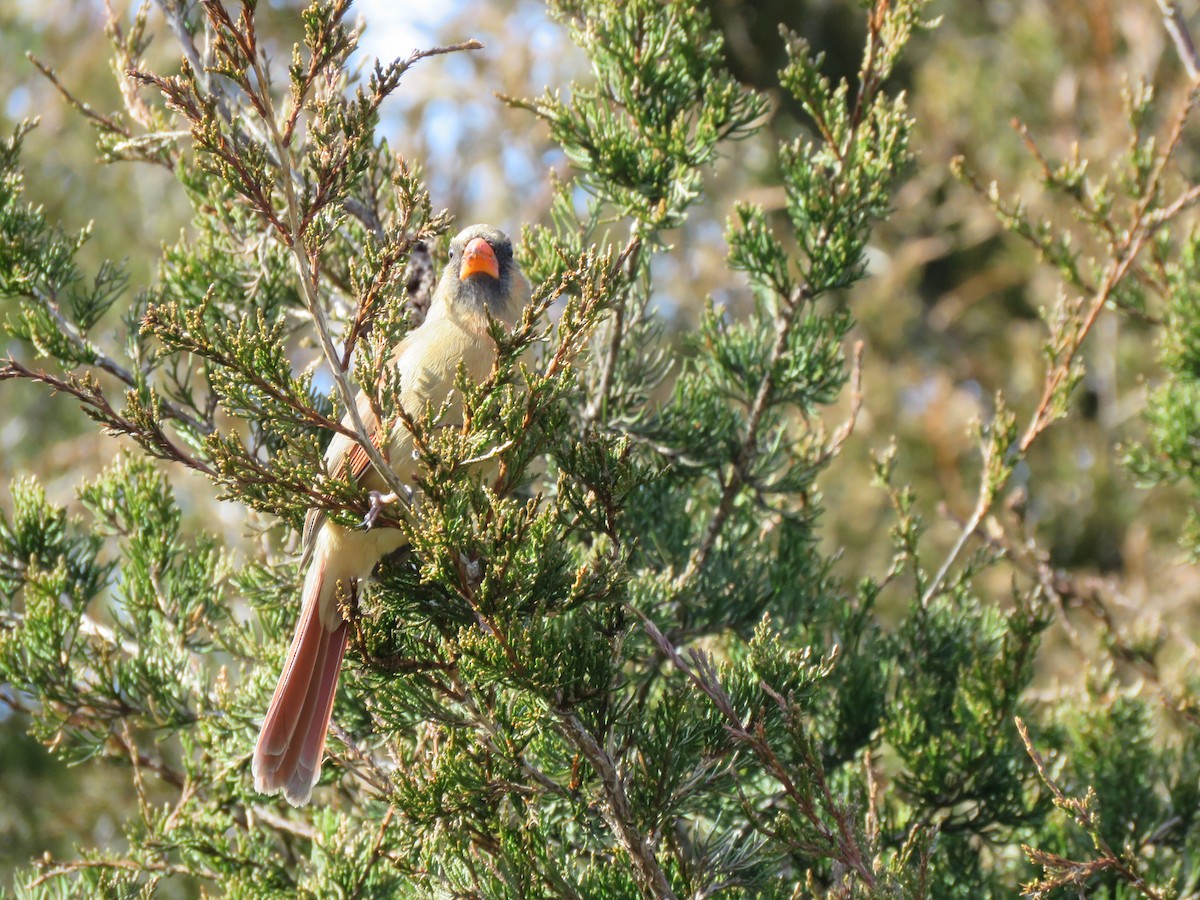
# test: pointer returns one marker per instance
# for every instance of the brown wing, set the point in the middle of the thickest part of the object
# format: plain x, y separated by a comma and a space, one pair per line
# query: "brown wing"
346, 458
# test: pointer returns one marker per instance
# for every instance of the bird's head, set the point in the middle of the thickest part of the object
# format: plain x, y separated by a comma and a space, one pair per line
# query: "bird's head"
483, 276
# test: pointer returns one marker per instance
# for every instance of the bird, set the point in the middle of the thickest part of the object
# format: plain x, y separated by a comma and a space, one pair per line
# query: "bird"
481, 283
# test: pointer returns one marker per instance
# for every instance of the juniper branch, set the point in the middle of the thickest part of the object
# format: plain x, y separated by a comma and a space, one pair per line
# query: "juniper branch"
1177, 28
784, 320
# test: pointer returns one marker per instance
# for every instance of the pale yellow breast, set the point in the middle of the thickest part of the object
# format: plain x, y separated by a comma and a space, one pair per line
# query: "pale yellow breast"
428, 365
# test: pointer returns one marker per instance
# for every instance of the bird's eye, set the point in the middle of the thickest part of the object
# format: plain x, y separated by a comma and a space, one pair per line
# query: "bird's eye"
453, 253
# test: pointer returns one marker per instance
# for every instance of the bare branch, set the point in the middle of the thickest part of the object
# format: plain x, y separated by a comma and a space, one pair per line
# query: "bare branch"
784, 320
88, 392
1178, 30
616, 808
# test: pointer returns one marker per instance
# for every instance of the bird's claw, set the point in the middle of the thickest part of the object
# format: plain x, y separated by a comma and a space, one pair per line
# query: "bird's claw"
378, 502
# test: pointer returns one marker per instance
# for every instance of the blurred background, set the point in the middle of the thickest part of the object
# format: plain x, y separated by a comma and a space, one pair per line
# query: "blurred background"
948, 314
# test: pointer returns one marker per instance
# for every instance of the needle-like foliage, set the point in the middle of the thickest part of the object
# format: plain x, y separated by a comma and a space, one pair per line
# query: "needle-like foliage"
624, 665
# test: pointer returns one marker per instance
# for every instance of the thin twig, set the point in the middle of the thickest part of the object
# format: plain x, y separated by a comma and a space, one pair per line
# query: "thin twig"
279, 823
1124, 255
616, 808
702, 674
172, 11
380, 780
1178, 30
489, 731
749, 446
1086, 818
103, 361
375, 854
306, 269
84, 109
843, 432
121, 865
88, 392
628, 262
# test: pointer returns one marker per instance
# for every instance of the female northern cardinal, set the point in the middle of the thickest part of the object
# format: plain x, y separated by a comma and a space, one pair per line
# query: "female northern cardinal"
480, 283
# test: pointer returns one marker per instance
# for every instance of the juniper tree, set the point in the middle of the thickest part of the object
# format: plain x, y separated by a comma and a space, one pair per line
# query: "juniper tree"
624, 666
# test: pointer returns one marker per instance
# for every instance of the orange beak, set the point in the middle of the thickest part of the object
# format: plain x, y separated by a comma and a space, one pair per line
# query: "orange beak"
479, 257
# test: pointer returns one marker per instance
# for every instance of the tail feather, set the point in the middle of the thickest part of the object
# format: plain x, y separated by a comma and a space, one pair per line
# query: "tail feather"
302, 757
291, 743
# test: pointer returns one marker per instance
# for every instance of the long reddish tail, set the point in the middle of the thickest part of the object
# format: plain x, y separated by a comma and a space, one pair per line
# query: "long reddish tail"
292, 740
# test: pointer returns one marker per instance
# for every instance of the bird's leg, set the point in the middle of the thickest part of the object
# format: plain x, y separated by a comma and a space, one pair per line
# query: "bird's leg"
379, 501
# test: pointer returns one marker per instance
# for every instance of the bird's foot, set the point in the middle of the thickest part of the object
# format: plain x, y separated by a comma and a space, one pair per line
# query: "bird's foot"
378, 502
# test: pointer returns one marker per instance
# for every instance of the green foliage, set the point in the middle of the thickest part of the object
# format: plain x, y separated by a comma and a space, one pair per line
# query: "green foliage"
56, 309
660, 106
1173, 410
623, 663
135, 664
